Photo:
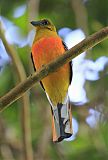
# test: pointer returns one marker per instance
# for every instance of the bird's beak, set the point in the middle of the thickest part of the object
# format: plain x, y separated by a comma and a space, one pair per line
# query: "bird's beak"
36, 23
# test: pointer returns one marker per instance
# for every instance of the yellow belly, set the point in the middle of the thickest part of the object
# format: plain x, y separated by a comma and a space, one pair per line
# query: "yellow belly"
56, 85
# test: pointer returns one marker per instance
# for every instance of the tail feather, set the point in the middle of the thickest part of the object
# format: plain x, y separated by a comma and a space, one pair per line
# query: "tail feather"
61, 122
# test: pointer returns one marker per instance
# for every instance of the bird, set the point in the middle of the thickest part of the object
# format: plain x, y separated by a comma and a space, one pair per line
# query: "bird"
47, 46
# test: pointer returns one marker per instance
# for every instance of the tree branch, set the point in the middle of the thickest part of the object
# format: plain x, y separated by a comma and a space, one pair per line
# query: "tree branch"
22, 87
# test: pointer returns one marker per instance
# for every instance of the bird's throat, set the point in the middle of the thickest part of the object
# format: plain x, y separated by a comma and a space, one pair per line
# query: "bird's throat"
42, 33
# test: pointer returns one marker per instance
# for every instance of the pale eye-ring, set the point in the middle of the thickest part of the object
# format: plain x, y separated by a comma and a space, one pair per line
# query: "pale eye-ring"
45, 22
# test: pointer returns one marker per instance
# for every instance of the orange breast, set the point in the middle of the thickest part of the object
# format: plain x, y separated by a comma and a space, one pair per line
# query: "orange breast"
57, 83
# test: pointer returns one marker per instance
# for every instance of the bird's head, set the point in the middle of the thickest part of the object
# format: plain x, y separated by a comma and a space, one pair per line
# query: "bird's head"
44, 24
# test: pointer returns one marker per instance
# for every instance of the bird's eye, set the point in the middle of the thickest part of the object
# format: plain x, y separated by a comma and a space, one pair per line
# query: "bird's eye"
45, 22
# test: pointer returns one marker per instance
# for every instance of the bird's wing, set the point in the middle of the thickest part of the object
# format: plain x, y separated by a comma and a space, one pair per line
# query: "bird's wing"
70, 63
33, 62
35, 70
65, 46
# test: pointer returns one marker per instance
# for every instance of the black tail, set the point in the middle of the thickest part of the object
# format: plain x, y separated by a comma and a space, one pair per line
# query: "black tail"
61, 122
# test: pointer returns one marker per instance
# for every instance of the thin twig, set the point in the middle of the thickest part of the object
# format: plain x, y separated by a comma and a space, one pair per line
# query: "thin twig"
80, 13
21, 88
